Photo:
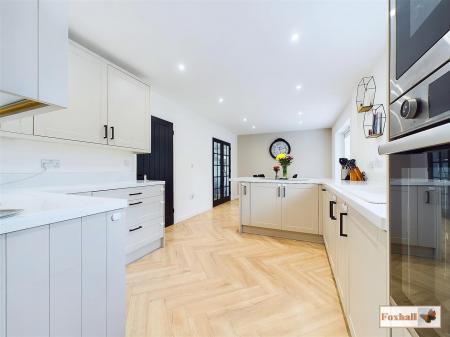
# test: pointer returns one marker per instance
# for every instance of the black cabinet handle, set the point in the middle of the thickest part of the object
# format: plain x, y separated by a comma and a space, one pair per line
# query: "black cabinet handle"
135, 203
332, 203
135, 229
105, 136
112, 132
341, 219
131, 194
427, 198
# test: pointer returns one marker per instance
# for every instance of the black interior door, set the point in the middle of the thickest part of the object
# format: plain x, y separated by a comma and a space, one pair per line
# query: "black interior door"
221, 153
158, 165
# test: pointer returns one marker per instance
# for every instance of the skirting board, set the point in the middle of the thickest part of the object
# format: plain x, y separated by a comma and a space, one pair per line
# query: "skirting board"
147, 249
283, 234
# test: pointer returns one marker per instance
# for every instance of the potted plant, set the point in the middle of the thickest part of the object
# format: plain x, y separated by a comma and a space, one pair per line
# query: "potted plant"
285, 160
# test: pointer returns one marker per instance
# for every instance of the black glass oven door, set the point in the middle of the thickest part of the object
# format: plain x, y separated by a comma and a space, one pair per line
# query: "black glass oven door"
419, 231
419, 25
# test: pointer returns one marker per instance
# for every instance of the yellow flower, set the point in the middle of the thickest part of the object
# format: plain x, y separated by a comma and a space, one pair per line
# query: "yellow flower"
281, 156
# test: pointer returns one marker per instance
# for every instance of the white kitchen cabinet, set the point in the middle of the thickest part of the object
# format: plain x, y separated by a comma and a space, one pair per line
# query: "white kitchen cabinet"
22, 125
325, 216
300, 208
94, 273
429, 217
128, 110
86, 116
2, 285
245, 203
332, 224
404, 198
115, 256
65, 279
342, 255
27, 292
266, 205
368, 275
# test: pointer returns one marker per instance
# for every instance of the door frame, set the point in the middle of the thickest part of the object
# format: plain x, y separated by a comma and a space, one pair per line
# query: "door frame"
222, 142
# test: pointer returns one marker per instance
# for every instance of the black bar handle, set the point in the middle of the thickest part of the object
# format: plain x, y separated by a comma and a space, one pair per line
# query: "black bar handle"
332, 203
135, 203
427, 199
135, 229
105, 136
131, 194
112, 132
341, 219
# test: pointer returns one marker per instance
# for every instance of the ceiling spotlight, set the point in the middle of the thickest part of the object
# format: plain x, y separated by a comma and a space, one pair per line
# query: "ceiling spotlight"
300, 113
298, 87
220, 100
295, 37
253, 127
181, 67
244, 119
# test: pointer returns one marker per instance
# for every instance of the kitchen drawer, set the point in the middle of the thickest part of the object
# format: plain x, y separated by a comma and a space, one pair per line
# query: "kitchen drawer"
132, 193
148, 208
143, 233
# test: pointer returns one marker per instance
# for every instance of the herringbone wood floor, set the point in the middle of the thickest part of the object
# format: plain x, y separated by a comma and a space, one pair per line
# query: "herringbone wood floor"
210, 280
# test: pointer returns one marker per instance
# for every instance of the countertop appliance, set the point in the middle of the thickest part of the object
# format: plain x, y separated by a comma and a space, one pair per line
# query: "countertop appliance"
419, 157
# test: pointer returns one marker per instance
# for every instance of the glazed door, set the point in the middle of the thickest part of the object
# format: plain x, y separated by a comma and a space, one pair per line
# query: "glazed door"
221, 153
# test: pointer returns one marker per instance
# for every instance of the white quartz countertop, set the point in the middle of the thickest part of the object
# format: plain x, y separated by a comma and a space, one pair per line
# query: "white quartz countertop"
47, 205
367, 199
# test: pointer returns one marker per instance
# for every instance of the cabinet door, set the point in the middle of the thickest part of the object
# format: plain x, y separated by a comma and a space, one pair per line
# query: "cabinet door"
94, 275
245, 203
342, 268
27, 279
19, 46
325, 216
266, 205
429, 217
332, 230
85, 118
404, 231
300, 208
65, 279
368, 276
128, 111
116, 234
53, 46
22, 125
2, 285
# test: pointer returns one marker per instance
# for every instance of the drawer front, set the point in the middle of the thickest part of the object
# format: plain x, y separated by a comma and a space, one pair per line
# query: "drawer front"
143, 233
140, 210
132, 193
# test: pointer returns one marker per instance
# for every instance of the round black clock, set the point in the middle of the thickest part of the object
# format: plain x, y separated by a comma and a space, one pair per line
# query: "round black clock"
278, 146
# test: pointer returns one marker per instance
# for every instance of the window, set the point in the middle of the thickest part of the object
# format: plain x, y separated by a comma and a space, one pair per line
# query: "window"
347, 138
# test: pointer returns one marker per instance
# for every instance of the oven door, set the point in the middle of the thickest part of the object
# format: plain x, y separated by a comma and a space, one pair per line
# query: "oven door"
420, 41
419, 231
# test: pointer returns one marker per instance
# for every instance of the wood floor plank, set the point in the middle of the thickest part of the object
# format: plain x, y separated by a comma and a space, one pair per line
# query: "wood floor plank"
212, 281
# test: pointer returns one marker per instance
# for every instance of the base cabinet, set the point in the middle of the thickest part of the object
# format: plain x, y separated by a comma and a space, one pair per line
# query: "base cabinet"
2, 285
245, 203
266, 205
300, 208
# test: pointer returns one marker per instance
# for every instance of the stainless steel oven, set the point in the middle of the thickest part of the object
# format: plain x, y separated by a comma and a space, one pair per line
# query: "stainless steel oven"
419, 188
420, 41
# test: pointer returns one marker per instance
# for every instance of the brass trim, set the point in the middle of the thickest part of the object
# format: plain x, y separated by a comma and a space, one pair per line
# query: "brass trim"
20, 106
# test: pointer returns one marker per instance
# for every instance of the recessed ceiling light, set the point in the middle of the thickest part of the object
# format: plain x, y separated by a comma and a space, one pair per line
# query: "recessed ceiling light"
300, 113
295, 37
300, 122
181, 67
244, 119
253, 127
220, 100
298, 87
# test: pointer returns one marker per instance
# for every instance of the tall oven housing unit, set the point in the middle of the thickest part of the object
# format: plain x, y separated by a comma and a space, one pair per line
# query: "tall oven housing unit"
419, 153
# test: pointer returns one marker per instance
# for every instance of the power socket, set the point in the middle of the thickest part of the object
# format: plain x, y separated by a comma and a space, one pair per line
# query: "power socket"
50, 164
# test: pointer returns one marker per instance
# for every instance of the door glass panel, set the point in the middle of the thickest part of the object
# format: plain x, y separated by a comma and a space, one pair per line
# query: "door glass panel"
221, 171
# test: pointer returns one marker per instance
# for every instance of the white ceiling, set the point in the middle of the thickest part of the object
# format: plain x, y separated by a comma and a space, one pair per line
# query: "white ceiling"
242, 51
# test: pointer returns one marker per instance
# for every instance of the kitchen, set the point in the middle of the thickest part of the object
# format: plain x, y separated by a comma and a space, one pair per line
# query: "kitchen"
171, 187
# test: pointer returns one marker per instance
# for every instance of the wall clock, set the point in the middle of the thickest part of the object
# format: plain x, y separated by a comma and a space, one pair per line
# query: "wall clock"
278, 146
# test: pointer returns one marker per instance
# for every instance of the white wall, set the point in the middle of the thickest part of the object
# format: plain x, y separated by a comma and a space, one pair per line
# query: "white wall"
364, 150
192, 155
311, 151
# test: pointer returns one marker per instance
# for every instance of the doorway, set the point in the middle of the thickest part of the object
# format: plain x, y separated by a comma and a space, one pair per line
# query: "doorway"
158, 165
221, 153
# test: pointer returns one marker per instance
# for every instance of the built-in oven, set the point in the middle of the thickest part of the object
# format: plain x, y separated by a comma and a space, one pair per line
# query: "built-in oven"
419, 196
420, 41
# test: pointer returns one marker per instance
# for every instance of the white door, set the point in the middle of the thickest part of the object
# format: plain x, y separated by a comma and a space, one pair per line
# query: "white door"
265, 205
128, 111
27, 279
245, 203
85, 118
65, 278
22, 125
300, 208
2, 285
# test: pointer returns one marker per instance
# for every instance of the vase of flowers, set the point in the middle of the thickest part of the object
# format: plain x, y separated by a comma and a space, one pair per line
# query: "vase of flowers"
276, 168
285, 160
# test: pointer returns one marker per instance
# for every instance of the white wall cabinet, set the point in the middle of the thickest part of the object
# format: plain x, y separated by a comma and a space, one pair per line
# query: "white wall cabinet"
86, 116
22, 125
128, 110
245, 203
2, 285
300, 208
266, 205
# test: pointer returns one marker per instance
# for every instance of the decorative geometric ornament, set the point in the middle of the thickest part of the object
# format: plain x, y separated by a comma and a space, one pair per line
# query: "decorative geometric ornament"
374, 121
365, 95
